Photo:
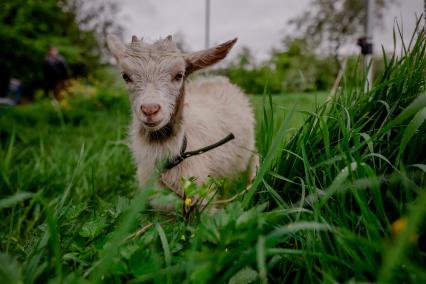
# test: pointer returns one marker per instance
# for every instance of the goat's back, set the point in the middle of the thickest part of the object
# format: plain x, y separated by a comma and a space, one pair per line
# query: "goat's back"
214, 108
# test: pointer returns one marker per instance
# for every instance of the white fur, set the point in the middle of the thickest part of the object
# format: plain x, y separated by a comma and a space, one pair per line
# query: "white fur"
212, 109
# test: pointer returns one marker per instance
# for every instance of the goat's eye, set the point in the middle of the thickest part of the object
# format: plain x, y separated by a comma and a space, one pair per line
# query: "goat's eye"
126, 78
178, 77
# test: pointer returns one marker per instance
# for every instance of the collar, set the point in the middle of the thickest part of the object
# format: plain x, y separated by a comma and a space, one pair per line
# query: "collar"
184, 155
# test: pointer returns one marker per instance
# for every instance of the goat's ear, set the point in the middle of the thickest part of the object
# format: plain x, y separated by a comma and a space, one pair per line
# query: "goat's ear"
207, 57
115, 46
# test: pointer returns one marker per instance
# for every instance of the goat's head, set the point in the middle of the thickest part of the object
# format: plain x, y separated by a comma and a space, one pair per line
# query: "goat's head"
155, 76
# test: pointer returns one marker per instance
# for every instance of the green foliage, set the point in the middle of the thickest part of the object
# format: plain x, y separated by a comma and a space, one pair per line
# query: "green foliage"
10, 270
28, 27
322, 208
301, 69
330, 24
351, 161
295, 69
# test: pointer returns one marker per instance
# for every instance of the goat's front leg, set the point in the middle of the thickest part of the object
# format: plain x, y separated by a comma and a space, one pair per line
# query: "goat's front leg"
143, 176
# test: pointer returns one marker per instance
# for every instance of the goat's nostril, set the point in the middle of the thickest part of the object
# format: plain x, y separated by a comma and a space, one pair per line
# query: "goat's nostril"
150, 109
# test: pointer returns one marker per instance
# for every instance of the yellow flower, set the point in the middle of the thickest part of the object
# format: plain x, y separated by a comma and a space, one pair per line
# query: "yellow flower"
399, 226
188, 202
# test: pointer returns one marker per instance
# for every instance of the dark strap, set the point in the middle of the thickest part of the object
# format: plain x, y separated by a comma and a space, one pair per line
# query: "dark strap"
183, 155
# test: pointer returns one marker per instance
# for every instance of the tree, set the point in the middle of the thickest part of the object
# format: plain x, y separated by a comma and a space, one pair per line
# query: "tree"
292, 68
28, 27
244, 58
96, 17
298, 68
331, 24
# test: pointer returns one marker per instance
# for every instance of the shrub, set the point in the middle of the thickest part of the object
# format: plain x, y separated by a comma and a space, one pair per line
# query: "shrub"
295, 69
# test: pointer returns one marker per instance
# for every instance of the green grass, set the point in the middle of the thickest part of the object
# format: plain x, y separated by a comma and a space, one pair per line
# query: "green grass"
72, 163
332, 182
283, 104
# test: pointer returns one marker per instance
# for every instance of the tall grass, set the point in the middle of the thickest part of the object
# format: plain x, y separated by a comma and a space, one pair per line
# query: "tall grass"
357, 165
341, 199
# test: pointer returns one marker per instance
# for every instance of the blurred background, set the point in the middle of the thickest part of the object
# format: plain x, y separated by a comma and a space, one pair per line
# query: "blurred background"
290, 46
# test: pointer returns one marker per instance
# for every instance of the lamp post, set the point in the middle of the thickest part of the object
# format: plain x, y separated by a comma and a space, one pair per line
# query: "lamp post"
207, 25
366, 43
368, 57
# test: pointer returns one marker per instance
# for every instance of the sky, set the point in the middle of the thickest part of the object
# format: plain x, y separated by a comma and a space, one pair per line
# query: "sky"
258, 24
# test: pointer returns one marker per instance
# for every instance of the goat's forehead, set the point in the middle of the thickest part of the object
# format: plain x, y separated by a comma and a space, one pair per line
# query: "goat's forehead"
134, 64
158, 48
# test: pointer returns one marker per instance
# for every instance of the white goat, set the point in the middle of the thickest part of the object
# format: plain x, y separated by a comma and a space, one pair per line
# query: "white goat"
171, 115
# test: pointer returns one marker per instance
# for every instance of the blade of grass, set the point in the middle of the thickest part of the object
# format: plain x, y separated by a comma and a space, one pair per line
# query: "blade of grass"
269, 159
261, 262
14, 199
166, 250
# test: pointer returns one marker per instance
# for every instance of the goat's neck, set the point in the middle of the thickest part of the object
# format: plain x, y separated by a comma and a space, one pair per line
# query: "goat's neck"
162, 145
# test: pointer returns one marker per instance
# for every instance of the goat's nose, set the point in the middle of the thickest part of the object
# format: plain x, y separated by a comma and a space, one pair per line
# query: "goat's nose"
150, 109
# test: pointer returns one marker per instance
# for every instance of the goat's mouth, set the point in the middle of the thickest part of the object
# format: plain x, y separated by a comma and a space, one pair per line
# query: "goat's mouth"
152, 125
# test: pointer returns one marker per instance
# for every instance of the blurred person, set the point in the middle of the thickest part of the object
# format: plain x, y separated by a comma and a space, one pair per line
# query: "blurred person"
13, 95
55, 72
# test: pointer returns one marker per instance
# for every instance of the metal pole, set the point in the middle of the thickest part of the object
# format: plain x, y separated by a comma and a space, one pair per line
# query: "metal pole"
368, 58
207, 25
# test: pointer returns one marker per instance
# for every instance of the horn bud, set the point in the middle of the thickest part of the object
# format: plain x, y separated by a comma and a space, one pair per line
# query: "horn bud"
135, 42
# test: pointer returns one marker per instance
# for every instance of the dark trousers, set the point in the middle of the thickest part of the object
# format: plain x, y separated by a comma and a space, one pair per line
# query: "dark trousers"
57, 89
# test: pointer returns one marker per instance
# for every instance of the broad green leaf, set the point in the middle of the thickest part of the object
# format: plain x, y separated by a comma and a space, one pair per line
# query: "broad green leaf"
141, 262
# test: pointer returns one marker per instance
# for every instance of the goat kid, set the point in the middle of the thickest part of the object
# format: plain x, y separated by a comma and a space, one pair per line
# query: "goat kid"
171, 113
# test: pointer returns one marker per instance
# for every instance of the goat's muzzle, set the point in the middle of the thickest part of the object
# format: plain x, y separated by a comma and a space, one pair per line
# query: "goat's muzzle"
150, 110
